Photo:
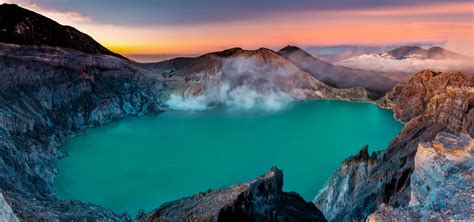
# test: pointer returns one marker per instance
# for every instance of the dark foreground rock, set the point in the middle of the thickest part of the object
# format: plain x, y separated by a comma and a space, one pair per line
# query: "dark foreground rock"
24, 27
429, 103
261, 199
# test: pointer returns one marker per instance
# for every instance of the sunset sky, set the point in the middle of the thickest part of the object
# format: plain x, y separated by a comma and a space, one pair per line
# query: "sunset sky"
193, 27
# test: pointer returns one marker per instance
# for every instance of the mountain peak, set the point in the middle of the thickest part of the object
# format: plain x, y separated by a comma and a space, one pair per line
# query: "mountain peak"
234, 52
264, 50
406, 51
436, 53
291, 49
408, 47
25, 27
437, 49
228, 52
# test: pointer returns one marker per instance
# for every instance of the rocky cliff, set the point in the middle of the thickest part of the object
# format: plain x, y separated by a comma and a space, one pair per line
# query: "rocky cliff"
430, 103
442, 183
261, 199
48, 94
412, 99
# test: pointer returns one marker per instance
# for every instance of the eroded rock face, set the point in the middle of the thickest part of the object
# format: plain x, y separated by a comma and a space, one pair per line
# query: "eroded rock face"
261, 199
411, 99
48, 94
442, 184
428, 104
342, 190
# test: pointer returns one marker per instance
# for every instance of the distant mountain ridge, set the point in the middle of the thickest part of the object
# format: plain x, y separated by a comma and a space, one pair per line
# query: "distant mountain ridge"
411, 59
222, 74
338, 76
24, 27
436, 53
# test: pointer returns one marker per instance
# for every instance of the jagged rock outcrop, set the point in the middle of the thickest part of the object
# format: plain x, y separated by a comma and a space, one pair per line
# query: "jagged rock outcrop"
350, 177
411, 99
24, 27
377, 83
428, 104
261, 199
442, 183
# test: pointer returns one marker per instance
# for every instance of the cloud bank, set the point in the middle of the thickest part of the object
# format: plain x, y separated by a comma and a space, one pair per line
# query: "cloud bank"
386, 63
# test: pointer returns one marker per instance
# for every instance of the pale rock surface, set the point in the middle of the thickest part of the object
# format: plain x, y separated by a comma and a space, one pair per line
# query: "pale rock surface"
442, 184
6, 213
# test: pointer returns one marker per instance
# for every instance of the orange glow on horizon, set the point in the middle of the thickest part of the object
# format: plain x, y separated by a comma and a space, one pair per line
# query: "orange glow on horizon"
438, 22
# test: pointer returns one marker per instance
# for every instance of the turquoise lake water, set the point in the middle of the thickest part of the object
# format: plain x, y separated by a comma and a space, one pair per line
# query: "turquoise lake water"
140, 163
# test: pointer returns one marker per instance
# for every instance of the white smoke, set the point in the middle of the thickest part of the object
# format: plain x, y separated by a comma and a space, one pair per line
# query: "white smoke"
242, 84
196, 103
386, 63
239, 98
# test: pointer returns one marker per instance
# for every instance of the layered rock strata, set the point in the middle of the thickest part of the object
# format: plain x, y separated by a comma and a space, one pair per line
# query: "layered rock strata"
442, 183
